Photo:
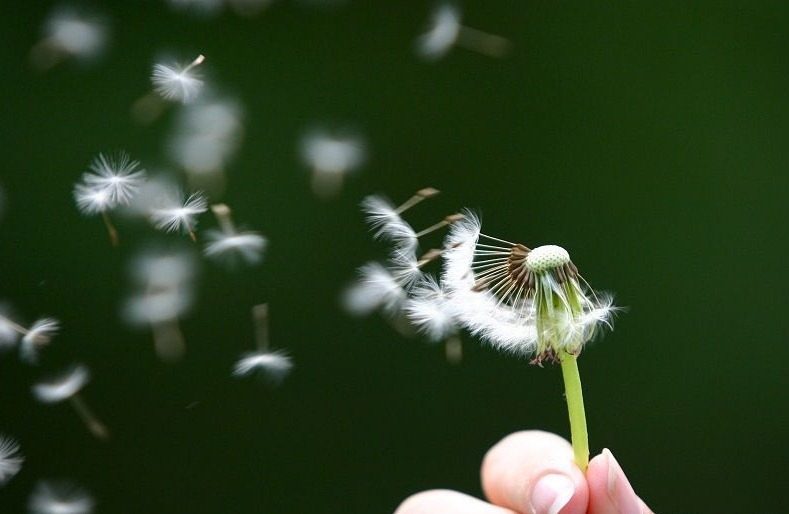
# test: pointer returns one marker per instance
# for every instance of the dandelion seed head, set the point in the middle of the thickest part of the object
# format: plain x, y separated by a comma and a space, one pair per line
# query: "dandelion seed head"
177, 83
60, 498
39, 335
442, 34
116, 177
63, 386
272, 366
548, 257
11, 458
247, 247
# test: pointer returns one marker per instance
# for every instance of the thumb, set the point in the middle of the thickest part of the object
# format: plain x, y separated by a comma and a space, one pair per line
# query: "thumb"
610, 491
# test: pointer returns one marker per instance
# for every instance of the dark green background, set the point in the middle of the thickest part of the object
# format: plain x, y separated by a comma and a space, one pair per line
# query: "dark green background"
648, 138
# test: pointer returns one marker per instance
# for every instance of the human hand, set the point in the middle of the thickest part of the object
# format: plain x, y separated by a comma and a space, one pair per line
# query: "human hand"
533, 472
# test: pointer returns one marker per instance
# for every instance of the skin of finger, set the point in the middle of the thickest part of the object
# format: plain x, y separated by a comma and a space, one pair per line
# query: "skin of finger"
512, 467
441, 501
597, 478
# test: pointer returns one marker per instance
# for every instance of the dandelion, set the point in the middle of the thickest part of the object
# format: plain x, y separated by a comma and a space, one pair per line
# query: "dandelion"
67, 387
527, 301
38, 336
447, 31
164, 294
206, 135
69, 34
179, 213
11, 459
230, 245
430, 310
273, 366
384, 218
172, 83
34, 338
60, 498
110, 182
330, 156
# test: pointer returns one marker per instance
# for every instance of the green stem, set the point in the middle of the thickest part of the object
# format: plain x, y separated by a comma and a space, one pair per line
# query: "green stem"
575, 408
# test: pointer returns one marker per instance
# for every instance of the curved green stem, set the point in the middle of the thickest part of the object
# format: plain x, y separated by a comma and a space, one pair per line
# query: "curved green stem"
575, 408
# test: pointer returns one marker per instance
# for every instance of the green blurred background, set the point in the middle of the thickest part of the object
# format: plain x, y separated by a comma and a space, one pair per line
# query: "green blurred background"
647, 138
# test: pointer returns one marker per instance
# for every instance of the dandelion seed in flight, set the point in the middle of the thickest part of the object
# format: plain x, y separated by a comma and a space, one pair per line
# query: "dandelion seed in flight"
229, 245
178, 83
446, 31
330, 156
430, 310
179, 213
111, 181
272, 366
10, 332
70, 34
59, 497
11, 458
67, 386
37, 337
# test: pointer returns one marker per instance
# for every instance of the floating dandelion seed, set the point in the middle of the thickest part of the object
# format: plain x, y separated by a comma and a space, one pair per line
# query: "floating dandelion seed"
273, 366
230, 245
39, 335
34, 338
330, 156
179, 213
526, 301
172, 83
69, 34
11, 458
59, 498
164, 293
67, 387
447, 31
110, 182
9, 330
384, 218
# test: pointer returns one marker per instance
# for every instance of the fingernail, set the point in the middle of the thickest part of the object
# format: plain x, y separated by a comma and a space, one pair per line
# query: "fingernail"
619, 489
551, 493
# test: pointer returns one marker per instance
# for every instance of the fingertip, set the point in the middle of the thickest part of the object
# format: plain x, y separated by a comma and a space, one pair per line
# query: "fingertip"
609, 489
534, 472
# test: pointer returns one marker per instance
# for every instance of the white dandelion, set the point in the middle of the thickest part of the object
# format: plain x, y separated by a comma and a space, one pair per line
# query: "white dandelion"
177, 83
179, 213
330, 156
228, 244
67, 386
273, 366
206, 136
118, 175
446, 31
376, 288
164, 292
70, 34
11, 458
38, 336
386, 222
60, 498
112, 180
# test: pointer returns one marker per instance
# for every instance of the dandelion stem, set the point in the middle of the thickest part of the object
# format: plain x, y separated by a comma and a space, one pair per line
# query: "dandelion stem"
198, 60
575, 408
482, 42
111, 230
93, 424
193, 236
420, 195
453, 349
224, 218
168, 340
260, 315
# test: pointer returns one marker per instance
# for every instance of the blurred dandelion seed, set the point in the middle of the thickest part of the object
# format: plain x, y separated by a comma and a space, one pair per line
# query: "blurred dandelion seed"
272, 366
11, 458
228, 244
179, 213
39, 335
59, 498
67, 387
446, 31
165, 292
330, 156
69, 34
429, 309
